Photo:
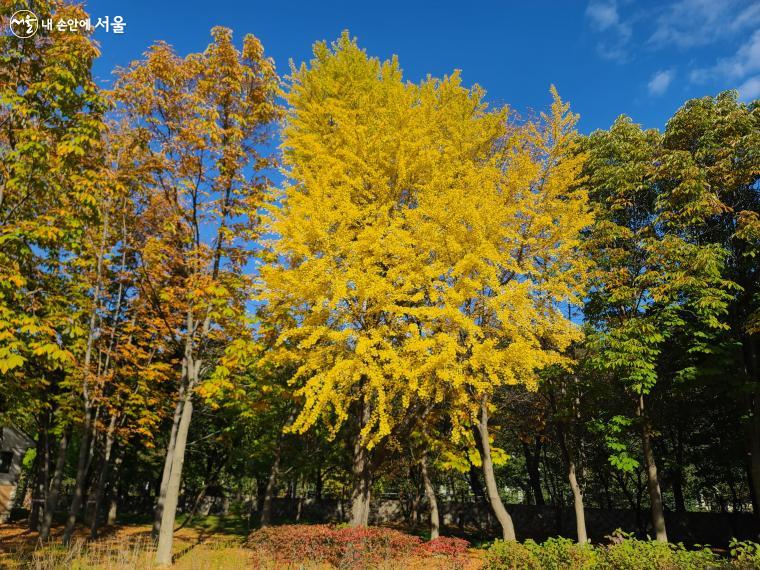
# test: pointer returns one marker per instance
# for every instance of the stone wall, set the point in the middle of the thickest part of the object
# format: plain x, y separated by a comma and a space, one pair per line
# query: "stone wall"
536, 522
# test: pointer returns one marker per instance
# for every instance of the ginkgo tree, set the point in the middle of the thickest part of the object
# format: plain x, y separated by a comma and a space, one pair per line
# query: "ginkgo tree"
424, 247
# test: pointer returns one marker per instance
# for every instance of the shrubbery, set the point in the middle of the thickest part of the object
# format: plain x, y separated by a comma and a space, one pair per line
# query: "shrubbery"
745, 554
454, 550
623, 553
447, 546
350, 547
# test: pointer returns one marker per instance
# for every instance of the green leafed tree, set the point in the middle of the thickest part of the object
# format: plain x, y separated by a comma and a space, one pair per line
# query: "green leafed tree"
653, 275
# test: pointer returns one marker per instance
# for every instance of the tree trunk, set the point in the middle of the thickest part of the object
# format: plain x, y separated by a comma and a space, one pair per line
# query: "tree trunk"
89, 424
211, 479
414, 506
266, 505
161, 498
113, 495
93, 443
430, 494
76, 500
580, 513
41, 467
637, 504
732, 487
751, 486
362, 471
484, 448
607, 494
578, 506
166, 533
534, 475
678, 496
51, 502
103, 479
653, 485
318, 484
677, 474
474, 480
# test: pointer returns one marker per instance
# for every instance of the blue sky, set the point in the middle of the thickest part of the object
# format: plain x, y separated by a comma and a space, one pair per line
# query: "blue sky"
607, 57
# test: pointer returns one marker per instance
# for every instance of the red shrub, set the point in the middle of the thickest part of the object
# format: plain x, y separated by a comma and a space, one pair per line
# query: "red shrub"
343, 547
289, 543
448, 546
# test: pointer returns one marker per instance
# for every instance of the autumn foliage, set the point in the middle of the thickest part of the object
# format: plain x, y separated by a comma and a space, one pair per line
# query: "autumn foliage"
220, 285
347, 547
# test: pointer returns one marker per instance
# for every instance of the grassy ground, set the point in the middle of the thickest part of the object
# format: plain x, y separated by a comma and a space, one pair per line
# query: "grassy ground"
209, 543
123, 546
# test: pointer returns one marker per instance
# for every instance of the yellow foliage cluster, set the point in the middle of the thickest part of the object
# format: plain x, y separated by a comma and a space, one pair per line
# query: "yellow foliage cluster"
426, 244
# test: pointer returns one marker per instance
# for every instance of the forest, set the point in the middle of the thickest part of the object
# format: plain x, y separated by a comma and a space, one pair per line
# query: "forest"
239, 295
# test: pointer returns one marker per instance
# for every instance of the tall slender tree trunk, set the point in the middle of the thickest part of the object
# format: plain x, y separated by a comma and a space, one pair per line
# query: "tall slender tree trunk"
166, 533
492, 490
580, 511
161, 498
414, 506
362, 472
653, 484
191, 363
41, 471
578, 506
266, 505
113, 495
104, 471
318, 483
678, 475
435, 522
569, 456
532, 460
94, 437
103, 478
89, 423
38, 493
76, 499
51, 501
751, 487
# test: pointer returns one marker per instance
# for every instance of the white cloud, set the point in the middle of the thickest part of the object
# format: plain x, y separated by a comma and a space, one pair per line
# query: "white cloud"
744, 62
690, 23
750, 89
604, 17
660, 82
748, 17
683, 24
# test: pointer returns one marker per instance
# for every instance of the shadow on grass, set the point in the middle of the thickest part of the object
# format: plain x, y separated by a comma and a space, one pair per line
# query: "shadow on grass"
229, 524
